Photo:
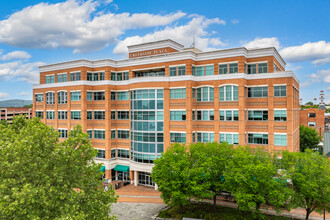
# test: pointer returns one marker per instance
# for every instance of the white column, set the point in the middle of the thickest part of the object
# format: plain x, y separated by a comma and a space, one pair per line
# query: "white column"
156, 186
135, 178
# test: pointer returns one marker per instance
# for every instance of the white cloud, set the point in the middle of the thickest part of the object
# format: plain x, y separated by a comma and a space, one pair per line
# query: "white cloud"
16, 55
311, 51
4, 95
73, 24
183, 34
263, 42
319, 76
235, 21
22, 94
322, 61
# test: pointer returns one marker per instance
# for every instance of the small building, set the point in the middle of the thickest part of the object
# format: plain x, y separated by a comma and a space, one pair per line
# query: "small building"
8, 113
314, 118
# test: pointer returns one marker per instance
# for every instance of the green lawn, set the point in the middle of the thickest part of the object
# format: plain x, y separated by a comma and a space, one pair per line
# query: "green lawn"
207, 211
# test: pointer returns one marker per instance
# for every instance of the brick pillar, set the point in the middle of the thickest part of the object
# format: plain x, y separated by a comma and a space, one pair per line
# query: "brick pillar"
216, 114
241, 112
166, 118
270, 116
189, 122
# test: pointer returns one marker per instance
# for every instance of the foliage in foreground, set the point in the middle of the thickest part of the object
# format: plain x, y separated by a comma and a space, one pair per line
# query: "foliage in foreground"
309, 138
41, 178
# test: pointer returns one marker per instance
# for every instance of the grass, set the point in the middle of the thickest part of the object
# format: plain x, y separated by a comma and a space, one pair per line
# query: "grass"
207, 211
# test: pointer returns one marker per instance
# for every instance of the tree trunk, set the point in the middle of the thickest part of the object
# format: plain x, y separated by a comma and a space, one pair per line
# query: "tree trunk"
215, 200
308, 212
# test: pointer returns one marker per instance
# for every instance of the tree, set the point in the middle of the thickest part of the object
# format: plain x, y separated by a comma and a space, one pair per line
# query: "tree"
309, 103
327, 110
252, 178
28, 106
309, 138
310, 176
41, 178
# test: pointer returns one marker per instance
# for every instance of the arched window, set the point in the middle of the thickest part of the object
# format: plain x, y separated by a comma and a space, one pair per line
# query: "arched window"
205, 94
228, 93
62, 97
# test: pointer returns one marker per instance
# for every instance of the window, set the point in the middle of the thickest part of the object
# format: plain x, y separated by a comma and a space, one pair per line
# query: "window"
50, 79
113, 115
99, 115
177, 115
100, 153
251, 68
39, 97
312, 123
63, 133
89, 115
62, 97
50, 115
178, 93
89, 96
223, 69
230, 138
178, 137
113, 153
113, 134
75, 115
257, 92
200, 71
205, 137
280, 115
280, 139
279, 91
120, 76
90, 134
312, 115
99, 134
122, 115
75, 76
258, 138
126, 76
255, 115
99, 96
50, 98
89, 76
95, 76
122, 96
173, 71
39, 114
75, 96
181, 70
205, 94
228, 115
228, 93
113, 96
122, 134
205, 115
233, 68
209, 70
62, 77
123, 153
262, 68
62, 115
193, 70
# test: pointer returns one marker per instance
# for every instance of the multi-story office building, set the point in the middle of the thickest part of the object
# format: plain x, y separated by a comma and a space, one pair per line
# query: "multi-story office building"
314, 118
133, 109
8, 114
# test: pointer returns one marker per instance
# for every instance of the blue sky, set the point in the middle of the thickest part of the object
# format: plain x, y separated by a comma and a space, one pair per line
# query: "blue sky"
34, 33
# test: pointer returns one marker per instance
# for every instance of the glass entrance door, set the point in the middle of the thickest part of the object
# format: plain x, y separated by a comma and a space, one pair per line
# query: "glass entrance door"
124, 176
145, 179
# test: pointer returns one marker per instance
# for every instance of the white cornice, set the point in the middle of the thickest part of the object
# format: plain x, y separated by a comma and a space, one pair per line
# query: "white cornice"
155, 45
171, 79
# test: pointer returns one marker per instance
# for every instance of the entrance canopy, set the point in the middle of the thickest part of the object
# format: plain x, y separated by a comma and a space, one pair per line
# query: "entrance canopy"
121, 168
102, 169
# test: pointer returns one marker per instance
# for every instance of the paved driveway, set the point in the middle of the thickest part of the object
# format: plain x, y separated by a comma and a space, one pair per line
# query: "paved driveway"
136, 211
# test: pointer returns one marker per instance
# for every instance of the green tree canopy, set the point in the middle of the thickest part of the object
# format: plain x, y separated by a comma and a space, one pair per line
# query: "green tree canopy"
309, 138
310, 176
41, 178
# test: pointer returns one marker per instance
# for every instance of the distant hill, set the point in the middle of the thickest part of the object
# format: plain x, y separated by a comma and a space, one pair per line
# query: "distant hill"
15, 103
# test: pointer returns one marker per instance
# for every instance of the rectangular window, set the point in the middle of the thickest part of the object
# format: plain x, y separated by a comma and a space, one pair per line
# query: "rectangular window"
255, 115
122, 134
312, 123
99, 134
280, 115
193, 70
279, 91
113, 134
89, 115
90, 134
113, 76
280, 139
257, 92
40, 114
181, 70
178, 137
262, 68
75, 96
125, 75
123, 153
76, 115
63, 133
311, 115
123, 115
205, 115
251, 68
209, 70
89, 96
228, 115
100, 153
99, 115
230, 138
223, 69
39, 97
258, 138
113, 96
61, 78
47, 79
50, 115
177, 115
98, 96
89, 76
50, 98
122, 96
233, 68
205, 137
113, 115
75, 76
173, 71
113, 153
62, 115
178, 93
200, 71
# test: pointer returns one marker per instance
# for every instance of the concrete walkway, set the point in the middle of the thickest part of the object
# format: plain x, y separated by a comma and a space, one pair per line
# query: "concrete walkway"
136, 211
